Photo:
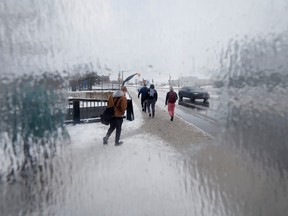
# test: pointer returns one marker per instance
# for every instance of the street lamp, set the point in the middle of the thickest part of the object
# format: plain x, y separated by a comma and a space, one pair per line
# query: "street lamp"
128, 78
123, 73
129, 112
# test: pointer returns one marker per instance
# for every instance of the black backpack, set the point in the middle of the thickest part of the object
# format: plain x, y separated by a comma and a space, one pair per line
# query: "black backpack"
107, 114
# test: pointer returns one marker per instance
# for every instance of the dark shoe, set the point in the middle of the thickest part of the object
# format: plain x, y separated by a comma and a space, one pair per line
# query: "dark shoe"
105, 140
117, 143
149, 114
171, 118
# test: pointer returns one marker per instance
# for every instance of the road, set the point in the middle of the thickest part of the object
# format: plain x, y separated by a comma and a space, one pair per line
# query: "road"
203, 116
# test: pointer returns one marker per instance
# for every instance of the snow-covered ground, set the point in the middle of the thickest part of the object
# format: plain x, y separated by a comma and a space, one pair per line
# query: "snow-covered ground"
86, 134
90, 134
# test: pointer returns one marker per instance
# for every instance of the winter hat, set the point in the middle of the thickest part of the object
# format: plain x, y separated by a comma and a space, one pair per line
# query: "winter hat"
171, 88
124, 88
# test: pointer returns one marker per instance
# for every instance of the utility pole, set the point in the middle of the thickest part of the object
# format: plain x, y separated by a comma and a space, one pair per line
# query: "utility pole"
122, 76
193, 66
119, 78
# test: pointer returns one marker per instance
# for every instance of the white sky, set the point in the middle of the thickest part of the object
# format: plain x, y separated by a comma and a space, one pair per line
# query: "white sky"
182, 37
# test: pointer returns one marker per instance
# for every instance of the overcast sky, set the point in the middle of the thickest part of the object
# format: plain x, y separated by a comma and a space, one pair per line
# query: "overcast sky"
177, 38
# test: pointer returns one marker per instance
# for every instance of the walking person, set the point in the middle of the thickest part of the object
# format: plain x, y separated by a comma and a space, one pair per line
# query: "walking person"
152, 99
171, 98
119, 101
143, 92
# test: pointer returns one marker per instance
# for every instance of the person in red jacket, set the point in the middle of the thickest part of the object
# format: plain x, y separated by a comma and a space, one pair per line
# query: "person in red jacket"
119, 101
171, 98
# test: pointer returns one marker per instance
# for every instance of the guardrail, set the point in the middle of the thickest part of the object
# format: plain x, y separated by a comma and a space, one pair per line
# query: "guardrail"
84, 110
84, 107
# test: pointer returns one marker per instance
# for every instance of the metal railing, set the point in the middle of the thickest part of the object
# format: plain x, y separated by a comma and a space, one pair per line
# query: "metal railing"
85, 110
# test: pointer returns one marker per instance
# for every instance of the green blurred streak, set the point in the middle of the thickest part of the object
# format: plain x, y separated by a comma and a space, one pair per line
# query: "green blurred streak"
32, 115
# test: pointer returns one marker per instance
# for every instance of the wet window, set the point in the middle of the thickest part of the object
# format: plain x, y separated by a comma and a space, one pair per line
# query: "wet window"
220, 149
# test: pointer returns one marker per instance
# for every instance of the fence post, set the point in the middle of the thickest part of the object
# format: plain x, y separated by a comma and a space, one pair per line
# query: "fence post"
76, 112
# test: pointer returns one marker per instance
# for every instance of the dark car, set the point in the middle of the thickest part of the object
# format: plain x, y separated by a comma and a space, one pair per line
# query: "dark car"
193, 93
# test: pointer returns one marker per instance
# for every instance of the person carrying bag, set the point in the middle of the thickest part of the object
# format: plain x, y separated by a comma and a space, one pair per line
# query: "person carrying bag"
108, 114
118, 101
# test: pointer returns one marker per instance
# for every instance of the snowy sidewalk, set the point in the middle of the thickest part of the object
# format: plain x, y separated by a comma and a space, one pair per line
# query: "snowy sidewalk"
142, 129
177, 132
147, 175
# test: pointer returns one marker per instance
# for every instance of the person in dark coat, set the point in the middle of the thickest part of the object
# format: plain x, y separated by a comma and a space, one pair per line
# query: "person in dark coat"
152, 99
143, 92
119, 110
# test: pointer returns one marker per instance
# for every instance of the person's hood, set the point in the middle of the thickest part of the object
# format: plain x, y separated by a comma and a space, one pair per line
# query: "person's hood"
118, 93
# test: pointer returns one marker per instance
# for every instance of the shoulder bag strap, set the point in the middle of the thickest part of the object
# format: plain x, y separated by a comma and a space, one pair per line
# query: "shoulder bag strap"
116, 102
